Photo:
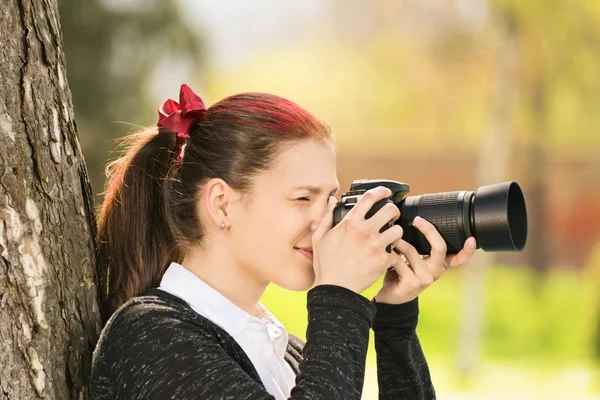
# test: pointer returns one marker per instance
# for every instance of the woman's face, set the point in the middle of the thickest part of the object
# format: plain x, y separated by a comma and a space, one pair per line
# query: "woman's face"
284, 210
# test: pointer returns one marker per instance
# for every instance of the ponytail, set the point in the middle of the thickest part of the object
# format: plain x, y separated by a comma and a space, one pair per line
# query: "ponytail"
134, 242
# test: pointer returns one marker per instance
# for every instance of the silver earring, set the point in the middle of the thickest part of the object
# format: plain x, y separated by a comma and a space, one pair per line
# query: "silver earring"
222, 226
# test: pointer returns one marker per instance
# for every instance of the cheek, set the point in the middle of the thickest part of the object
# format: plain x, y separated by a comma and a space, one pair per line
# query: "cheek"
266, 243
267, 233
289, 229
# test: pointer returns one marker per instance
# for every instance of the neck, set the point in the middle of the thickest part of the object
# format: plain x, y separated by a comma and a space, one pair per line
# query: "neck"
216, 266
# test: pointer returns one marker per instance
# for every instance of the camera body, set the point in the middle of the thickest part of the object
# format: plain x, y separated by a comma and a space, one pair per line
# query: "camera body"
358, 188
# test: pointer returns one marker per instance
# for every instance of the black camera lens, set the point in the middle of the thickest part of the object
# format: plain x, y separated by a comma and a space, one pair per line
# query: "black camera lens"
495, 215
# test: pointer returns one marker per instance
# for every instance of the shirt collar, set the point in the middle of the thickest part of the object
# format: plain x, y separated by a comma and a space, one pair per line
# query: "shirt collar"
204, 299
277, 332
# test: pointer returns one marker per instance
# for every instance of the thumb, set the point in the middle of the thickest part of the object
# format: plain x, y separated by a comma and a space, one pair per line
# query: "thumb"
326, 222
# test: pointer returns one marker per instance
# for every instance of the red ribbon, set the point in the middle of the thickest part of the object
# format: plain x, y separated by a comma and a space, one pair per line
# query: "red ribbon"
179, 117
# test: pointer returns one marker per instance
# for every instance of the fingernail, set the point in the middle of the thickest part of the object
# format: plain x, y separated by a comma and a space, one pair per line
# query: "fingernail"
419, 221
473, 244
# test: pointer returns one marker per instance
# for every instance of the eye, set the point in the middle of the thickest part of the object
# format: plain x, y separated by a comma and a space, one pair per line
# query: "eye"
303, 199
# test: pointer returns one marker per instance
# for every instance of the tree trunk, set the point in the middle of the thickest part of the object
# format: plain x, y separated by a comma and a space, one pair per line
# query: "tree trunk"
536, 200
49, 318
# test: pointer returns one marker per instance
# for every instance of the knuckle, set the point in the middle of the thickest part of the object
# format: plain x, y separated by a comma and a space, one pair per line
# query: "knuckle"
343, 224
398, 231
374, 245
346, 224
391, 207
365, 236
383, 190
394, 208
369, 196
442, 247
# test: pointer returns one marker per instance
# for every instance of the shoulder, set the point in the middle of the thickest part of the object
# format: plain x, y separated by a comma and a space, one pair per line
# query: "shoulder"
154, 307
152, 319
149, 329
157, 346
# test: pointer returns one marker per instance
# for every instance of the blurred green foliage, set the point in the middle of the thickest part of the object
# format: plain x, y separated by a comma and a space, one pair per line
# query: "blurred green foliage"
435, 92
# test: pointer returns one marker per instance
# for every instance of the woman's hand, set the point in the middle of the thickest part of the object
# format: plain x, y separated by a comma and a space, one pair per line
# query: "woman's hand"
414, 273
352, 254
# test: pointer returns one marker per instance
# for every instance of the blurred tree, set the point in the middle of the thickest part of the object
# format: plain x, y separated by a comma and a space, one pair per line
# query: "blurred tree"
592, 272
492, 166
558, 53
533, 79
113, 51
49, 318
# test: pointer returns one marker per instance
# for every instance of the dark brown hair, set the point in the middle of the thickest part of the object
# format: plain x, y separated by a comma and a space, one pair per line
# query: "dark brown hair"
148, 217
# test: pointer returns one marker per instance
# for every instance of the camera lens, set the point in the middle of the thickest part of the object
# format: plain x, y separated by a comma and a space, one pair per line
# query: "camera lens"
495, 215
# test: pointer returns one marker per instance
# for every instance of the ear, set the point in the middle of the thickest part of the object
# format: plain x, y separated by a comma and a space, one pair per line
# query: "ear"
218, 199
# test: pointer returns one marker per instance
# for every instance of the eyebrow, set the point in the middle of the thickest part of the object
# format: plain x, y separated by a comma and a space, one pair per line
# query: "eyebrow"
316, 189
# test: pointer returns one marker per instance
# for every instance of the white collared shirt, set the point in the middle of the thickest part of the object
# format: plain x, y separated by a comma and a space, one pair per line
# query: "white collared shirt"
263, 339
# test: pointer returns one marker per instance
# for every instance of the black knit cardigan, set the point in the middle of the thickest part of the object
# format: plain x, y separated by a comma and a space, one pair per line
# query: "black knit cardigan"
157, 347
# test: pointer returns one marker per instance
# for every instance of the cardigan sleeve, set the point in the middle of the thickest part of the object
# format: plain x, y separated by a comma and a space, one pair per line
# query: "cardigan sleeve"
337, 338
174, 358
402, 371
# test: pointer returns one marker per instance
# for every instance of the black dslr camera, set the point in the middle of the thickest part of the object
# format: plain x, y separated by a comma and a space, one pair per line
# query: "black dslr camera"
495, 214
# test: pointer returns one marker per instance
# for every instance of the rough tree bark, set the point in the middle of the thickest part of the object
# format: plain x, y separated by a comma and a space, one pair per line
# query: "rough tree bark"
49, 319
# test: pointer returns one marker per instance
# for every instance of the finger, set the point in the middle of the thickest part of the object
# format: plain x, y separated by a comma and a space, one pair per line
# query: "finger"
394, 257
403, 270
388, 213
367, 200
326, 221
405, 259
437, 260
424, 257
390, 235
464, 256
415, 261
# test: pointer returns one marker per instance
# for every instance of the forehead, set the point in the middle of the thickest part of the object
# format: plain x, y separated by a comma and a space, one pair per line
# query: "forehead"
308, 163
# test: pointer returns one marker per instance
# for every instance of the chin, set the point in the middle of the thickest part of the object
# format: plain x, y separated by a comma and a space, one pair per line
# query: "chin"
297, 282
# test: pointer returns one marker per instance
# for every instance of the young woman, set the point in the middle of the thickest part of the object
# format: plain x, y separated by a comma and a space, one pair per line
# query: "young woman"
207, 209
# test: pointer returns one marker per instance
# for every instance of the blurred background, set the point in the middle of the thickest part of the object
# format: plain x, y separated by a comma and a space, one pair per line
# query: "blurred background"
444, 95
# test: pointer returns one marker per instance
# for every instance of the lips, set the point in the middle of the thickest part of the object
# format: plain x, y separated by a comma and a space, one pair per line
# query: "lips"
305, 251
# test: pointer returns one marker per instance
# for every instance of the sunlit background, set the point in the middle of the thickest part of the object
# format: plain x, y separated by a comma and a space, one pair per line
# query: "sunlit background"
441, 94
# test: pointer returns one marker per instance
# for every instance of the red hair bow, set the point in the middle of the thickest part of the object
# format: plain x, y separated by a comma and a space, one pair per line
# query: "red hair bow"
179, 117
